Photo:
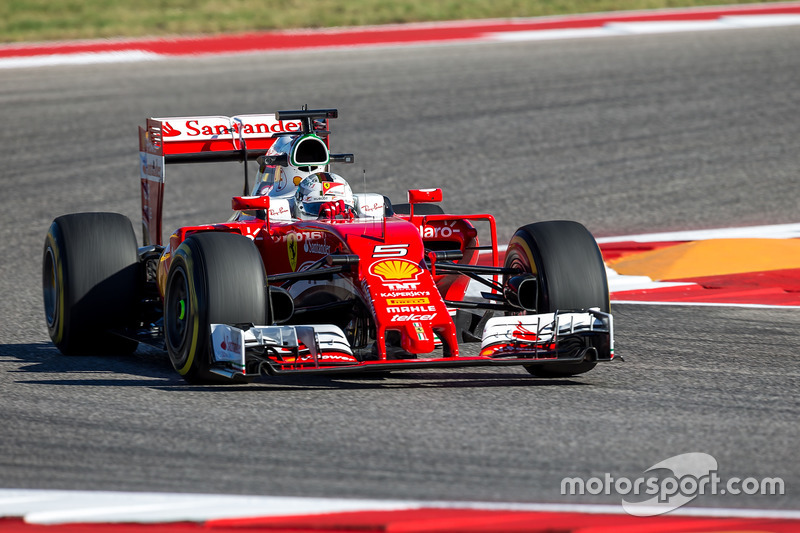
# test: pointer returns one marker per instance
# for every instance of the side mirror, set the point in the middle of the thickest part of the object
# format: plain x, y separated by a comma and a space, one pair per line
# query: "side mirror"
246, 203
421, 196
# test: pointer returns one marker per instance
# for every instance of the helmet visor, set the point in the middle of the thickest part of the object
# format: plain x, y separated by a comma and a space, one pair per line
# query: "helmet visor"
312, 209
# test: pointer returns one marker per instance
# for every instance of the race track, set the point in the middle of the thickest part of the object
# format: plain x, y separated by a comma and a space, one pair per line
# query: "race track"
626, 135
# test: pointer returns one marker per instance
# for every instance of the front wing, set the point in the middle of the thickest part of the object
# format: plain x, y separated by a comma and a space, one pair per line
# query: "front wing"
560, 337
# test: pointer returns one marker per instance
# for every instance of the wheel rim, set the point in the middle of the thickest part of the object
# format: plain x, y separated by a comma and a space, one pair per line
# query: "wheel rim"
518, 258
176, 312
50, 288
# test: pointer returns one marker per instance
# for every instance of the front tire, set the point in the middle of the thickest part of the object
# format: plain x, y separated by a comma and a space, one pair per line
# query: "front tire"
571, 275
214, 278
89, 281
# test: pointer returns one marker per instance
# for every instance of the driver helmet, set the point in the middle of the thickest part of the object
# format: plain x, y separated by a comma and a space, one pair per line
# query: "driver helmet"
318, 191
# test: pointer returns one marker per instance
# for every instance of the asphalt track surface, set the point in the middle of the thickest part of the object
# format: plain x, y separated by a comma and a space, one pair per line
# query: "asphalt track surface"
627, 135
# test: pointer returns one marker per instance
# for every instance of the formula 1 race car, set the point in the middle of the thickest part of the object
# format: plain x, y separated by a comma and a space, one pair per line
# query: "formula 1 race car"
309, 277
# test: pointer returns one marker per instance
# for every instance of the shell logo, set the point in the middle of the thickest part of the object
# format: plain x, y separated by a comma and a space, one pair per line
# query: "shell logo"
395, 269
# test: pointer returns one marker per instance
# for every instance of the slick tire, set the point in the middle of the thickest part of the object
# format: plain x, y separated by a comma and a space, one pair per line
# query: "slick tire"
90, 283
214, 278
571, 275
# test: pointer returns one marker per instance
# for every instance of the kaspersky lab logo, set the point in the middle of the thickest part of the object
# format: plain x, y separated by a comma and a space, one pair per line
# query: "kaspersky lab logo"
673, 483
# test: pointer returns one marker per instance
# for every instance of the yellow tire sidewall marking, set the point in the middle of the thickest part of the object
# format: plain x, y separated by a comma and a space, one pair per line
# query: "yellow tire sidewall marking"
59, 272
519, 242
192, 308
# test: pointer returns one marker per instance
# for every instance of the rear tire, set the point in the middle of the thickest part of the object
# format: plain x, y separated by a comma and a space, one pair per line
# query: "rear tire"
571, 275
89, 281
214, 278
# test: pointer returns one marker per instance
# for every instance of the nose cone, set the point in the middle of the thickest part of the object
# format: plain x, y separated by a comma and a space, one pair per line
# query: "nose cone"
417, 337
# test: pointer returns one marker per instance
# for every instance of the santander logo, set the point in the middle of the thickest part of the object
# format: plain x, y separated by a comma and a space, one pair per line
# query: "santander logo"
524, 334
202, 128
168, 131
230, 345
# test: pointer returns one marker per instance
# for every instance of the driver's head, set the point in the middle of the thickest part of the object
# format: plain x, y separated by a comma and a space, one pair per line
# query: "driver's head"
323, 194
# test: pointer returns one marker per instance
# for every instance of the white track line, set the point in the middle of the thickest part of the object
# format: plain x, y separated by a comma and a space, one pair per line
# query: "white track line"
122, 56
704, 304
61, 507
621, 282
618, 29
775, 231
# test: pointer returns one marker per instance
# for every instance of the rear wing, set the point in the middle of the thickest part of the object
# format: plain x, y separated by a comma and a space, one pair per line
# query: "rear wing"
210, 139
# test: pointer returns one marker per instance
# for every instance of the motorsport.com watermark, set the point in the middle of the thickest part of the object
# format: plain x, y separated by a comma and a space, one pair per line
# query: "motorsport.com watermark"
693, 474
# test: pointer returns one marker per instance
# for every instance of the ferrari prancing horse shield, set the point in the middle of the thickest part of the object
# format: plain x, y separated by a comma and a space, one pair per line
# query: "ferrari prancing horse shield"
291, 245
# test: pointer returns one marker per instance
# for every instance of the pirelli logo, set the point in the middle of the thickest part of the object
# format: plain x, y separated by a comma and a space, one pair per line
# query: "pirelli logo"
407, 301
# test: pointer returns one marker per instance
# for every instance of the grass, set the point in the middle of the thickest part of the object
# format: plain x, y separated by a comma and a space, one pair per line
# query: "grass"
42, 20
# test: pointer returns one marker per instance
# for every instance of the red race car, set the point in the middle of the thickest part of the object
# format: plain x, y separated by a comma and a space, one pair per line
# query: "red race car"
309, 277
